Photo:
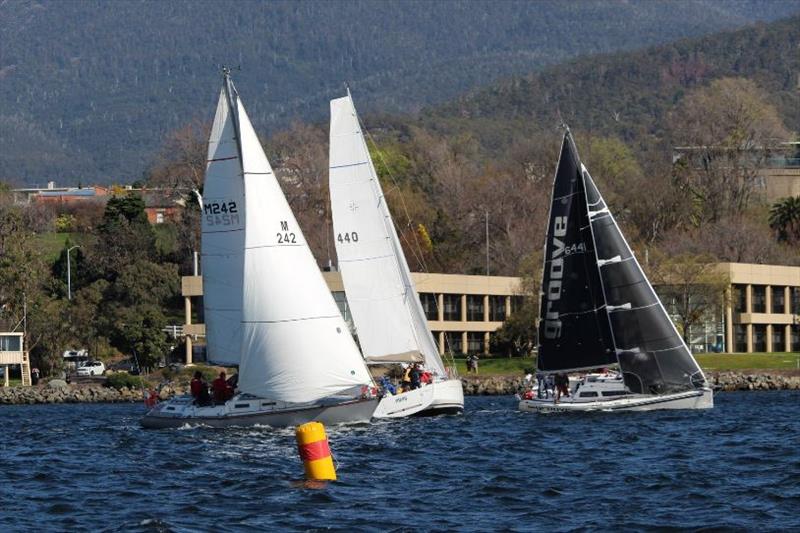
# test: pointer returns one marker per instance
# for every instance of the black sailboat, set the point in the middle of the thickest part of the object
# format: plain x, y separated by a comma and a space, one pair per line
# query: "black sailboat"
598, 310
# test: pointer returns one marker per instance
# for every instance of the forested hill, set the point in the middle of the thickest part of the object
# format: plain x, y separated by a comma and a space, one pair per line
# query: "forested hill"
89, 89
629, 95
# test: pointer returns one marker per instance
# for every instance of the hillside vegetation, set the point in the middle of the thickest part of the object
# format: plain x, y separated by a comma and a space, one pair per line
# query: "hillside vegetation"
89, 89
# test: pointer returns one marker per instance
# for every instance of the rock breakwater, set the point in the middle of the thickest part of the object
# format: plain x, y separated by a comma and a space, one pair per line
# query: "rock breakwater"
473, 386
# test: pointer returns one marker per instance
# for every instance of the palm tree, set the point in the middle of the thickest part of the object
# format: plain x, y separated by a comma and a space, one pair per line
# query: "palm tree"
784, 218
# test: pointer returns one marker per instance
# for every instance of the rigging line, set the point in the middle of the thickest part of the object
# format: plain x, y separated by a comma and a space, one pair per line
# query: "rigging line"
418, 254
416, 250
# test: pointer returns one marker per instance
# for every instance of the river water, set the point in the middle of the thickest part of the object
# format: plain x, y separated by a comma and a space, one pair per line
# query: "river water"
72, 467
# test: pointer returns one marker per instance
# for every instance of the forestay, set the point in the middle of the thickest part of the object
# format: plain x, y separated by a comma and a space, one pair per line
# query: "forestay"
387, 312
652, 355
295, 344
222, 235
574, 331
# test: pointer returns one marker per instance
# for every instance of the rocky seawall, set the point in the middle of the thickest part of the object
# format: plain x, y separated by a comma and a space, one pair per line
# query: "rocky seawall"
724, 381
59, 392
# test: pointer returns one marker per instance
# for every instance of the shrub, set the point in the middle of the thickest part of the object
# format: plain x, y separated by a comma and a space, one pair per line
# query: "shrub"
121, 380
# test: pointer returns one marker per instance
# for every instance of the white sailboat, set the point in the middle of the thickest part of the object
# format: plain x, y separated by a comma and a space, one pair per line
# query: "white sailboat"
267, 307
387, 313
599, 310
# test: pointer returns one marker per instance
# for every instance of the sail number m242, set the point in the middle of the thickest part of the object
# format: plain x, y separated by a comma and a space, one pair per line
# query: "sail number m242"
221, 213
552, 322
284, 235
347, 237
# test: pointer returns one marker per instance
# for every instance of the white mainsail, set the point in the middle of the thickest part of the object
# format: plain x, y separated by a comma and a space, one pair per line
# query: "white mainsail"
387, 313
222, 234
295, 345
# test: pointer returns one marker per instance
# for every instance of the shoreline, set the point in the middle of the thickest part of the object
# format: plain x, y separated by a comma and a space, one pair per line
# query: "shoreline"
727, 381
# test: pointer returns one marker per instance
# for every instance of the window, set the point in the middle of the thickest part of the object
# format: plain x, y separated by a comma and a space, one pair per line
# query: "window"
778, 300
794, 304
475, 308
341, 302
159, 218
740, 338
591, 394
740, 298
474, 342
10, 343
759, 299
795, 338
453, 343
778, 338
452, 307
614, 393
497, 308
759, 337
429, 305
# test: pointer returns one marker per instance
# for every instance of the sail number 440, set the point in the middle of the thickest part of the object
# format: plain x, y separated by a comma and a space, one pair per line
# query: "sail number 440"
347, 237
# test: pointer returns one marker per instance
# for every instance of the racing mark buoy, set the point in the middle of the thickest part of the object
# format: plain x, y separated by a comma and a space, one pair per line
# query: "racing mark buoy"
312, 443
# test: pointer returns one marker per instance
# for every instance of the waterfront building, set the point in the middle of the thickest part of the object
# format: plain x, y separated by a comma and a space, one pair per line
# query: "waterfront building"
12, 352
761, 314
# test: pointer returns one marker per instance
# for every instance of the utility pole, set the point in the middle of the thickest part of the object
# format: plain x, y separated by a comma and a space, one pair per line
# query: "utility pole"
487, 242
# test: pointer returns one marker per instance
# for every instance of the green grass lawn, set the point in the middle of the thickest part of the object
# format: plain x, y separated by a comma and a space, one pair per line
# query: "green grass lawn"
515, 366
499, 366
52, 243
738, 361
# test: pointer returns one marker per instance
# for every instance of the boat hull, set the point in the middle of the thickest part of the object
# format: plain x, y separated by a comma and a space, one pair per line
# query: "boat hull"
438, 398
696, 399
179, 413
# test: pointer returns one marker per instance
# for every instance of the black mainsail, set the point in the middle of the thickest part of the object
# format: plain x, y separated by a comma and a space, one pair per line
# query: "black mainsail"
574, 332
623, 320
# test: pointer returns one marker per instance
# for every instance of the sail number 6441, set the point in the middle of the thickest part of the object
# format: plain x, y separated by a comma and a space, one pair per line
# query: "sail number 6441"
347, 237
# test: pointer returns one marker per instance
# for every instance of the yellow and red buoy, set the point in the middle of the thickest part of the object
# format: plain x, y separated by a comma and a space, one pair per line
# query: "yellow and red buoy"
312, 442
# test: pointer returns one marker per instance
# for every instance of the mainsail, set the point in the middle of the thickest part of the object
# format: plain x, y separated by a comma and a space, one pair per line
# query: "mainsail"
387, 312
295, 346
222, 237
598, 306
574, 331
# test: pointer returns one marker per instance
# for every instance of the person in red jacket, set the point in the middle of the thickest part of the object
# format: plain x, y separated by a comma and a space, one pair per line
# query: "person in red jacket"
222, 390
199, 389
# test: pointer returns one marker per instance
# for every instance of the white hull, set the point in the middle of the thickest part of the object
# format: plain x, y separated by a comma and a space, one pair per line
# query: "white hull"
441, 397
181, 411
695, 399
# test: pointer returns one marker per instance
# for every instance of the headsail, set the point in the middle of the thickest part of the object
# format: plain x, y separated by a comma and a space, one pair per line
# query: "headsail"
222, 235
387, 312
295, 345
574, 331
652, 355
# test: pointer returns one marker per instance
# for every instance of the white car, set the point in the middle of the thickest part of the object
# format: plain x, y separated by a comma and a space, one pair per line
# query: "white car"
92, 368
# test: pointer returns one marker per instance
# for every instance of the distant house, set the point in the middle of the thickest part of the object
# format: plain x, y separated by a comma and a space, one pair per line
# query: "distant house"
161, 205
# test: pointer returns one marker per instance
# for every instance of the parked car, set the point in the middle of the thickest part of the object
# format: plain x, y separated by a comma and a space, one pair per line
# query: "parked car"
92, 368
126, 365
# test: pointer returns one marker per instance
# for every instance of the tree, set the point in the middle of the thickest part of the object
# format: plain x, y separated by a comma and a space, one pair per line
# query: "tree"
518, 335
695, 285
784, 219
725, 132
139, 330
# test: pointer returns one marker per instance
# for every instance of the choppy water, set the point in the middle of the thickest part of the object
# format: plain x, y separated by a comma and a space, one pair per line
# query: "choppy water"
71, 467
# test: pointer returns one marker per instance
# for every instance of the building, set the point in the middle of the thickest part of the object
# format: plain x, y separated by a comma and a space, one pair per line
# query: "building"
762, 314
12, 353
463, 311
